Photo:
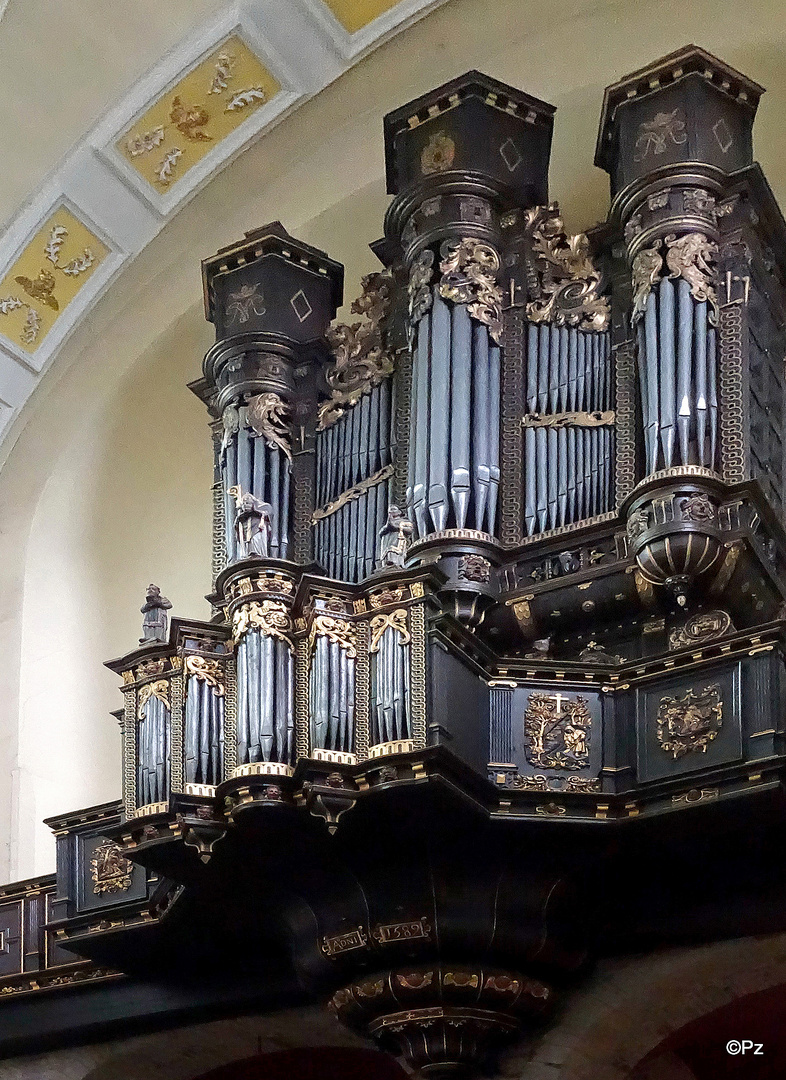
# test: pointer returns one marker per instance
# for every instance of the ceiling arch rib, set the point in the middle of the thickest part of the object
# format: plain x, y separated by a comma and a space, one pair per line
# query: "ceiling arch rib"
198, 108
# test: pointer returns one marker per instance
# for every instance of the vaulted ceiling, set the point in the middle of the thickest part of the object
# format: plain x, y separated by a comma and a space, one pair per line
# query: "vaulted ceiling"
112, 123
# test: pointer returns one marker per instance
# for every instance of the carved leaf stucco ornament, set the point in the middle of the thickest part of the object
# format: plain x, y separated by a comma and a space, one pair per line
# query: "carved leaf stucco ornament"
269, 416
564, 283
206, 670
361, 360
337, 631
469, 269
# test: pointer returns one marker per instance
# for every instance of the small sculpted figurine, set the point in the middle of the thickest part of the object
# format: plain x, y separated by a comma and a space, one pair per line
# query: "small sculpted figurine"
154, 624
252, 524
395, 535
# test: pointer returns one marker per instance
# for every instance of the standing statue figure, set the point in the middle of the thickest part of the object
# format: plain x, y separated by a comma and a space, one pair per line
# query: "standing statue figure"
395, 535
252, 523
154, 624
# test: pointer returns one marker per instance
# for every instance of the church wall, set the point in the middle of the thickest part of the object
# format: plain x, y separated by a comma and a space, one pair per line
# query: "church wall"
106, 482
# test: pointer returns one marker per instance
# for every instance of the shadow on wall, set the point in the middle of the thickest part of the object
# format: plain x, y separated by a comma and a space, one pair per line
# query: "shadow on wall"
321, 1063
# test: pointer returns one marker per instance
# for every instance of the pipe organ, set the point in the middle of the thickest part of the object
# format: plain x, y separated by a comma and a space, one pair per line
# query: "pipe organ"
501, 555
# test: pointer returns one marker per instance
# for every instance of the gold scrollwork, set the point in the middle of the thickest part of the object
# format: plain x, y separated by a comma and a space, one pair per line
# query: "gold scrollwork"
419, 288
158, 689
352, 493
207, 670
688, 724
469, 269
361, 360
395, 620
564, 283
569, 419
338, 631
270, 617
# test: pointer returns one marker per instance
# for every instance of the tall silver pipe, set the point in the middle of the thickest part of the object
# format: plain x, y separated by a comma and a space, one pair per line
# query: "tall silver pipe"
439, 413
460, 412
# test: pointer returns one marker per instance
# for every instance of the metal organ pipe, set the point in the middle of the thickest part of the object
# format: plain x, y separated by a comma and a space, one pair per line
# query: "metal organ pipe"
568, 439
677, 378
353, 464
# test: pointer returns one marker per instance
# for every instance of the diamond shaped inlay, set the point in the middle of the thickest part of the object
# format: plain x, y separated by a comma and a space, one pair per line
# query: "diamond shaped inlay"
723, 136
301, 306
510, 154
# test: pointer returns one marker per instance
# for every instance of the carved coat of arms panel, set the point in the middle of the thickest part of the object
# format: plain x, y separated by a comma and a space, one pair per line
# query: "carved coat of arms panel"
556, 739
689, 723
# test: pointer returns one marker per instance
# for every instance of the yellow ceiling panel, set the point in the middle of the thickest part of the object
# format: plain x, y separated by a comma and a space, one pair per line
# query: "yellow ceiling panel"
197, 114
46, 277
355, 14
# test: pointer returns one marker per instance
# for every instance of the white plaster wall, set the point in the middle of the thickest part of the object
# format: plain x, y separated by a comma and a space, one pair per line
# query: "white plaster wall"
105, 484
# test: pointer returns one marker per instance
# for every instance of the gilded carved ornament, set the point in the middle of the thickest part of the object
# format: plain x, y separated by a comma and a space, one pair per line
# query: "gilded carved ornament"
421, 275
469, 269
269, 417
337, 631
361, 360
557, 731
394, 620
563, 282
690, 257
158, 690
109, 871
270, 617
352, 493
688, 724
207, 671
569, 419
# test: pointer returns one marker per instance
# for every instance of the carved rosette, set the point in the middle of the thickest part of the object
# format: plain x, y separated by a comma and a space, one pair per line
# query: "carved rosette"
469, 269
564, 285
444, 1020
361, 358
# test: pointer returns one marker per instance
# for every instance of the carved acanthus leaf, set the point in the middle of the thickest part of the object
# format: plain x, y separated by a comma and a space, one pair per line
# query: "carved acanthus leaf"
691, 257
361, 360
469, 269
270, 617
337, 631
269, 416
564, 283
158, 690
206, 670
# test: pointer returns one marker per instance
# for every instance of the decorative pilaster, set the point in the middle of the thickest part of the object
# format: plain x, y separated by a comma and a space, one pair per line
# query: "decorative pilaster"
451, 189
271, 299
